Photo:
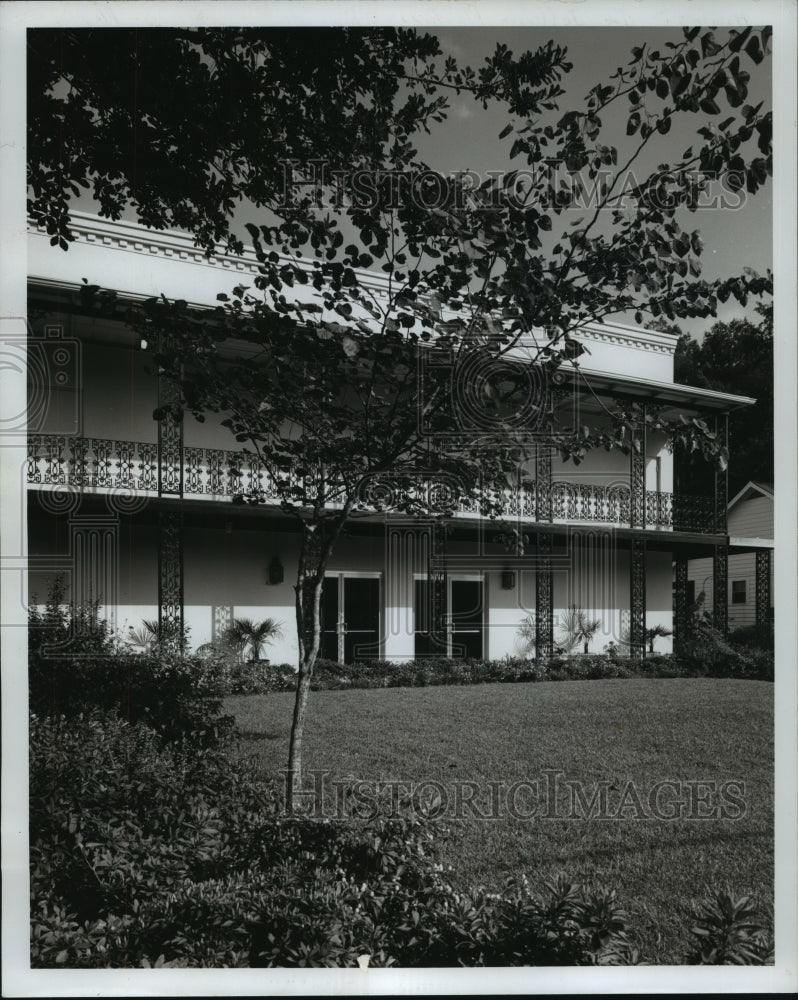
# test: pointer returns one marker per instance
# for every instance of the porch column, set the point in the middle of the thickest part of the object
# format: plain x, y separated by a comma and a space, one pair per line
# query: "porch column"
437, 586
681, 611
637, 475
544, 582
543, 477
170, 436
720, 588
170, 571
544, 587
763, 558
721, 490
637, 598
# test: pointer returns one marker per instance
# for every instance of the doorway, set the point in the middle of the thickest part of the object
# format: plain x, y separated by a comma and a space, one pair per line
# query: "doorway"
350, 617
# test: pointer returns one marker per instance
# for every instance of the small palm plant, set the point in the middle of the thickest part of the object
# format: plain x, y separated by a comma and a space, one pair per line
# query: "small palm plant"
145, 637
576, 628
244, 632
658, 631
527, 633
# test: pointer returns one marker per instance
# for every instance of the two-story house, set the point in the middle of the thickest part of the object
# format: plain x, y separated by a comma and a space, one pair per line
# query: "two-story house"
139, 514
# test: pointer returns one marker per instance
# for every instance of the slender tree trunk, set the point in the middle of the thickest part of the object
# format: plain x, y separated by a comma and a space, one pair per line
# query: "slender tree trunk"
310, 578
313, 558
318, 539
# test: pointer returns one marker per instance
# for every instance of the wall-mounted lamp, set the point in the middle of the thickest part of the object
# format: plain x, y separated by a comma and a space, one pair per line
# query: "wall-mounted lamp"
276, 571
508, 579
144, 343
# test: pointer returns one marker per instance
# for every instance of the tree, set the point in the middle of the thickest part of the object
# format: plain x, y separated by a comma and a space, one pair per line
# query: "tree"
240, 105
353, 400
737, 357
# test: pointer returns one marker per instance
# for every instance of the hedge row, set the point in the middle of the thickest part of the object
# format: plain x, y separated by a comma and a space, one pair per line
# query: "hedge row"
329, 675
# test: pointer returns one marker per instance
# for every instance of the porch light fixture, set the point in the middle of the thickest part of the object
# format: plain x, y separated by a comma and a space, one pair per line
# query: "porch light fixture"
144, 343
508, 579
276, 571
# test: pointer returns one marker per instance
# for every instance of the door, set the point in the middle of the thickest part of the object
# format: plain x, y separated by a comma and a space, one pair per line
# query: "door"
350, 618
329, 619
466, 617
361, 616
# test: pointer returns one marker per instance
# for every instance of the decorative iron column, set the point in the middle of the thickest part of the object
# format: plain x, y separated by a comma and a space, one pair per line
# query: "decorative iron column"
544, 589
763, 558
720, 588
721, 490
438, 586
543, 482
170, 574
681, 611
637, 598
637, 474
170, 435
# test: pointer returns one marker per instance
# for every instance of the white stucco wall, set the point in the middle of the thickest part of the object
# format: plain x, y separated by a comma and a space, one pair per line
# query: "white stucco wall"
227, 566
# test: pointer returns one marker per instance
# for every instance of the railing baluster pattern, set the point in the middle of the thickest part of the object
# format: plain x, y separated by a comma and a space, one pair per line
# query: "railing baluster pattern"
215, 473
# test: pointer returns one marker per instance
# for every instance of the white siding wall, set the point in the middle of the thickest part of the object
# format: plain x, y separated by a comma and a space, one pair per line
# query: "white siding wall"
742, 566
752, 518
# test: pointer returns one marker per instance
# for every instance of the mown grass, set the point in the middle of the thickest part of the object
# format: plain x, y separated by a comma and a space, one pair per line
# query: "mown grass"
645, 731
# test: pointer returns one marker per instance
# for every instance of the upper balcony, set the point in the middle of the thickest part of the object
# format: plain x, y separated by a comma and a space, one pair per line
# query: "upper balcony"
103, 466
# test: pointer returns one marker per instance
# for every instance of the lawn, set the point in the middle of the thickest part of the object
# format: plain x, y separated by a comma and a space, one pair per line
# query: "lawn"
613, 731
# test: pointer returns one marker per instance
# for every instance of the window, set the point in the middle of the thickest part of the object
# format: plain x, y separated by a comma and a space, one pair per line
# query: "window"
738, 591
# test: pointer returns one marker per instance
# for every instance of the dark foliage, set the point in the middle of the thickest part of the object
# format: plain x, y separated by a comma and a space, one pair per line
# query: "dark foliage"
75, 664
735, 357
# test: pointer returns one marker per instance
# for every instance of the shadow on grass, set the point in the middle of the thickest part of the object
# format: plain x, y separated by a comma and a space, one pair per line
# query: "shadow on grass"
683, 838
257, 736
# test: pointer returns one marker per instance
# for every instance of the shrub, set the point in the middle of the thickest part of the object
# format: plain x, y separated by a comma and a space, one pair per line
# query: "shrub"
257, 677
329, 675
178, 695
76, 663
753, 636
729, 931
707, 652
120, 822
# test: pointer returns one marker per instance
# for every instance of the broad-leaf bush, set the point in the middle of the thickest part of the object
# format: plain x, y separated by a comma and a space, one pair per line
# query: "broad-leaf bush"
729, 931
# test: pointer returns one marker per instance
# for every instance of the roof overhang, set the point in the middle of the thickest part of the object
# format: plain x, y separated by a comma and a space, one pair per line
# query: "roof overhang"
663, 393
738, 544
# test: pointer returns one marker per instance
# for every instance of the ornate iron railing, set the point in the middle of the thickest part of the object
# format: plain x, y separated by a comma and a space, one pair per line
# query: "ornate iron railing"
695, 512
217, 474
